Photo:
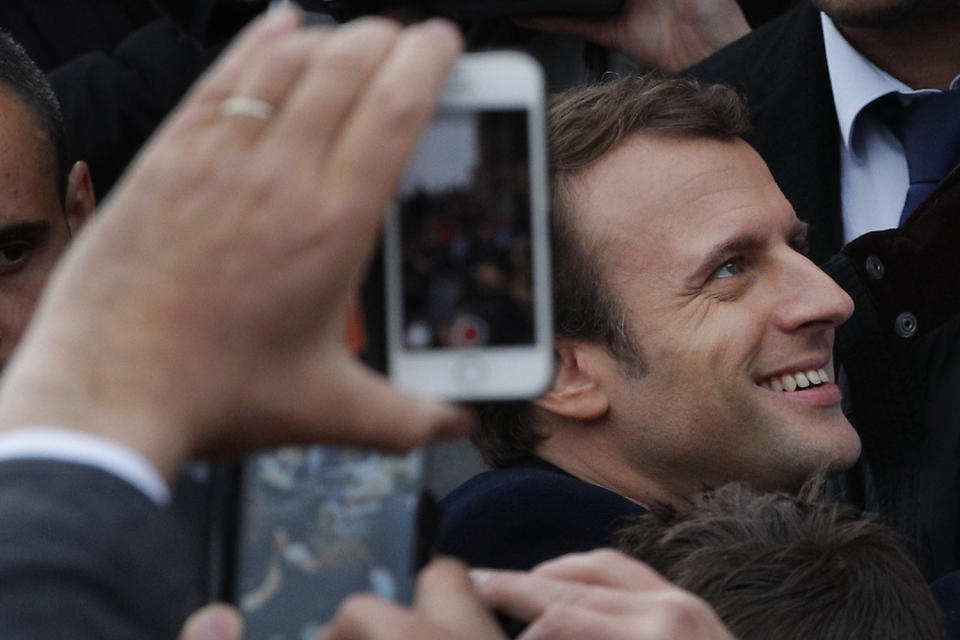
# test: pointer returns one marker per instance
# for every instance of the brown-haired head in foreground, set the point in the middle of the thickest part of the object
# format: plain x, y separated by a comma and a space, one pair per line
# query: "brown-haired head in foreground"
583, 125
778, 566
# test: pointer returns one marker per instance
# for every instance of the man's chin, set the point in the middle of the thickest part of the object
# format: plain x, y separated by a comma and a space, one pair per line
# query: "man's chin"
843, 446
821, 439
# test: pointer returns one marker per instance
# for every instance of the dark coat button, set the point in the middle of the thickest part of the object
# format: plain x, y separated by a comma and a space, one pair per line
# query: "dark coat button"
875, 267
906, 324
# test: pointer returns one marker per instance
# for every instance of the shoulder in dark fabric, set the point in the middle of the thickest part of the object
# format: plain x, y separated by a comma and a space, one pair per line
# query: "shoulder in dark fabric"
517, 517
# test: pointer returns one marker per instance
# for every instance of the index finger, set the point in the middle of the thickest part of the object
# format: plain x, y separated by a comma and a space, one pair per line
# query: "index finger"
604, 567
527, 597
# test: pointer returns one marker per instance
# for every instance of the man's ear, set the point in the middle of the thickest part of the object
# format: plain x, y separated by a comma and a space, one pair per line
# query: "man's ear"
80, 201
575, 392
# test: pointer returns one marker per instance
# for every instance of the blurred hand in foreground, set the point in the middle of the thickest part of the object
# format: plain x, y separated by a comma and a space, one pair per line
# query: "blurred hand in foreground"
601, 594
203, 309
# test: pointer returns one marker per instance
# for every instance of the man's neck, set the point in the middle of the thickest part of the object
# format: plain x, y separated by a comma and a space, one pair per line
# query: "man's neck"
605, 469
921, 55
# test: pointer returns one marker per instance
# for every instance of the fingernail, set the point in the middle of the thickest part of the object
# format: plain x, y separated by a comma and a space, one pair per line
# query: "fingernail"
479, 576
282, 14
216, 625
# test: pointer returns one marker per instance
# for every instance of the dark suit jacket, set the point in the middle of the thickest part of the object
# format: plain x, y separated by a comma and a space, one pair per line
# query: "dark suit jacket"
947, 592
518, 517
55, 31
901, 354
85, 555
782, 70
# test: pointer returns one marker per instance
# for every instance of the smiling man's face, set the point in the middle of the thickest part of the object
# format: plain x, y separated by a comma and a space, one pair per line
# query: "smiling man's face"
705, 253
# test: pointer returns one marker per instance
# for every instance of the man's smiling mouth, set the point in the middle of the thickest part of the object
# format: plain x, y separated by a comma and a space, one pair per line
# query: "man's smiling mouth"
798, 380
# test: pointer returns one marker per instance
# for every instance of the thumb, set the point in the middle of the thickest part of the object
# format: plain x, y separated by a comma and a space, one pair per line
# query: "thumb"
213, 622
377, 414
335, 399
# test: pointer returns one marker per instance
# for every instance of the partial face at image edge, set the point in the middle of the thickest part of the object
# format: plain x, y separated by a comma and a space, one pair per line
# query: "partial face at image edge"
35, 225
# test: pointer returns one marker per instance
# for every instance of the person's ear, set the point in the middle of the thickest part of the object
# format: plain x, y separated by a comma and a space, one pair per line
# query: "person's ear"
80, 201
575, 393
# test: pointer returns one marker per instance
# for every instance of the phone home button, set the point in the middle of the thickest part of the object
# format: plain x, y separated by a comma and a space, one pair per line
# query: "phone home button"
469, 371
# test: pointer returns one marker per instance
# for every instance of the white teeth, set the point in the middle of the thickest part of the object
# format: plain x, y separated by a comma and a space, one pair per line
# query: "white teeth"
789, 383
798, 380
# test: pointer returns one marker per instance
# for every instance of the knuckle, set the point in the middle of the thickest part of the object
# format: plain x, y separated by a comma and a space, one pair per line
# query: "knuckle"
556, 617
190, 170
679, 611
402, 106
606, 556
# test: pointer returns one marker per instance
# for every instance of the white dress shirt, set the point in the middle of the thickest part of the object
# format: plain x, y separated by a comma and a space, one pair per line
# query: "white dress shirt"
873, 170
69, 445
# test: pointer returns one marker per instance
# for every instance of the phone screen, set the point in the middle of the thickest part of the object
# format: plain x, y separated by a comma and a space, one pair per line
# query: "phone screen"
464, 210
317, 524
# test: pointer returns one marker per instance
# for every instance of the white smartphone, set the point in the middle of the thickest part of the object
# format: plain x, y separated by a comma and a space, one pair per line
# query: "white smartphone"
466, 254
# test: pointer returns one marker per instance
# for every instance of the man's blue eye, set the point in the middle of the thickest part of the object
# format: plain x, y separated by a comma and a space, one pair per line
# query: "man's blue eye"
728, 269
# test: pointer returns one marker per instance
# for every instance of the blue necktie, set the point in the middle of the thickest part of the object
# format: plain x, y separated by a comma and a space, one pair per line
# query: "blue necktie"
929, 130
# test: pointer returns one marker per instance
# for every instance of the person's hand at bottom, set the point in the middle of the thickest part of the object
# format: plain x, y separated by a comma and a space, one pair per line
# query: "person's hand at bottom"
601, 594
445, 608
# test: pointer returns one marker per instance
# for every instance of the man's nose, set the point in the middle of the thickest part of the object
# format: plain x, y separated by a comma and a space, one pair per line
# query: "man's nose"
809, 298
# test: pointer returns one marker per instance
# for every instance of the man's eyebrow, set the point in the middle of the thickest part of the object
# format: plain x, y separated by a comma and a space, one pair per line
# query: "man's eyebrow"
745, 243
37, 230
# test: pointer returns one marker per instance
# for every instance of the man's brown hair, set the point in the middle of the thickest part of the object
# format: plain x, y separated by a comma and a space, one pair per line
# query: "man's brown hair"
778, 566
583, 125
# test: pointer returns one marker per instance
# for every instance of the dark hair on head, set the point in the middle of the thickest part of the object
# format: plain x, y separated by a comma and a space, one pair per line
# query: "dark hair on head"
774, 565
21, 74
584, 124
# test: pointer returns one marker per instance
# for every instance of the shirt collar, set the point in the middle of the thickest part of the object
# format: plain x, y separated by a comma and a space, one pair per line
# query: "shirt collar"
861, 80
